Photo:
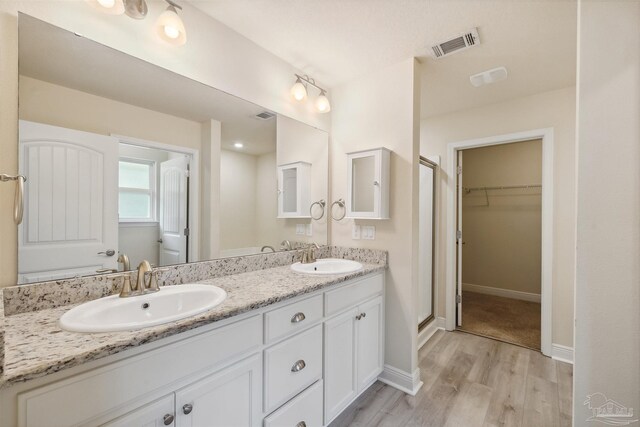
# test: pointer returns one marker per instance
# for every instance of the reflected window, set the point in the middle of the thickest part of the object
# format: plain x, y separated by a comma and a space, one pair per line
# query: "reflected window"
136, 195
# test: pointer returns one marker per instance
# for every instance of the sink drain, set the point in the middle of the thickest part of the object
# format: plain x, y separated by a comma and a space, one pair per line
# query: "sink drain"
145, 305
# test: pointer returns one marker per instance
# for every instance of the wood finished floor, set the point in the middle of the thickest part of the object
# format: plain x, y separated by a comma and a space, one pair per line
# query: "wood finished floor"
472, 381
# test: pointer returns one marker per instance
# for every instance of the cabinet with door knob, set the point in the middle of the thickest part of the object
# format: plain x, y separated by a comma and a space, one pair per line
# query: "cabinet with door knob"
299, 362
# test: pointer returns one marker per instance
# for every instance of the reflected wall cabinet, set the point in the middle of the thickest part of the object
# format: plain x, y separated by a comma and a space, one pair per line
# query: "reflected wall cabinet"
294, 189
368, 191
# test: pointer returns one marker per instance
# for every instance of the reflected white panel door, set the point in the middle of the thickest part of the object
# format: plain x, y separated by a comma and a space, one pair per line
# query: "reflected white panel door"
425, 244
459, 239
174, 187
71, 202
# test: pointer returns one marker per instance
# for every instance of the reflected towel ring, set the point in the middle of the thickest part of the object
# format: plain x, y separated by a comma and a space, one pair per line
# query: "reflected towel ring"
339, 202
18, 200
320, 203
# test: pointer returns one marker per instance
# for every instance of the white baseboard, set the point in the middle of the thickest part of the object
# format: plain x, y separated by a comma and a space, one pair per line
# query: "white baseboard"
499, 292
562, 353
428, 331
403, 381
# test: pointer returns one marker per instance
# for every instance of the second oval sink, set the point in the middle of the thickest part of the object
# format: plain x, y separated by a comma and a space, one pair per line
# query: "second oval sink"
328, 266
171, 303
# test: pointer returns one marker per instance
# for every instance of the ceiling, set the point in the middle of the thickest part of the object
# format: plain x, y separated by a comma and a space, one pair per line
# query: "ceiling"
335, 41
60, 57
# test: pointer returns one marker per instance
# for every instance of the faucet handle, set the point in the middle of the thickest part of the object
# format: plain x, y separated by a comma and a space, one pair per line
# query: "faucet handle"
153, 282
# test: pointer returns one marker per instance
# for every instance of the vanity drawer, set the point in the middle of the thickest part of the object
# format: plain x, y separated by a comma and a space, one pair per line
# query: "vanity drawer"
351, 295
291, 318
292, 366
305, 408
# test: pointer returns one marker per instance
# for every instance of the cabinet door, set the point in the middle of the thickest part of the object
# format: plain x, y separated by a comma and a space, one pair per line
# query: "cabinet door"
230, 397
369, 348
340, 385
155, 414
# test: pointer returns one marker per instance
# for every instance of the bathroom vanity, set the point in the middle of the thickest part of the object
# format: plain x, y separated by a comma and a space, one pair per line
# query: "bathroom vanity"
285, 348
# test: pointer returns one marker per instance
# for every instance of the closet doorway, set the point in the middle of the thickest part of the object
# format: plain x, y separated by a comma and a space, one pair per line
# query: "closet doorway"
499, 231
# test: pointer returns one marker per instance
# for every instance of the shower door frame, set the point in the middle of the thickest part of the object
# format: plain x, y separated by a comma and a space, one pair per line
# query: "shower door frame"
546, 135
434, 211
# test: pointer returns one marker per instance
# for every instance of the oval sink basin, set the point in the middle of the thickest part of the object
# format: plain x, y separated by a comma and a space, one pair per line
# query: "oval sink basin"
328, 266
171, 303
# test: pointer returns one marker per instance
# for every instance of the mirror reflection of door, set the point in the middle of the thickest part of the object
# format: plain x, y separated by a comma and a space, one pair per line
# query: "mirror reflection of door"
71, 219
174, 187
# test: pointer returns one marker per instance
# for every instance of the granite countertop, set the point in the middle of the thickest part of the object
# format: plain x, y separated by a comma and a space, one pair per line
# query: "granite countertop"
35, 345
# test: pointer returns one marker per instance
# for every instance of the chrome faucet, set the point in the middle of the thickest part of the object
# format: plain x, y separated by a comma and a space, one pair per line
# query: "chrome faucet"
308, 254
285, 245
267, 247
141, 286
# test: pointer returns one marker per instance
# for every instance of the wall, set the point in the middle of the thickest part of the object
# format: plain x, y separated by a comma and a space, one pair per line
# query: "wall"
247, 71
382, 109
502, 229
607, 331
549, 109
266, 204
238, 177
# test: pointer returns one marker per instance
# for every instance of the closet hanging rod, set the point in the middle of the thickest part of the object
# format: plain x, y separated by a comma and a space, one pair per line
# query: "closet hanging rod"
503, 187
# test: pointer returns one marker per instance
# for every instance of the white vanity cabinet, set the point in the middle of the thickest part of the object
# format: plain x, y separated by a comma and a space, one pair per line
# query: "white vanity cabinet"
294, 188
368, 175
353, 348
298, 362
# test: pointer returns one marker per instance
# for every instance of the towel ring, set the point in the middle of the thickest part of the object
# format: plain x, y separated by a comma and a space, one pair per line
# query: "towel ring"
320, 203
18, 200
339, 202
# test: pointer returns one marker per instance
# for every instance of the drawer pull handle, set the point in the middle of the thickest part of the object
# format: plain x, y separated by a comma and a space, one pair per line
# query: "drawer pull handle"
301, 424
298, 317
168, 419
186, 409
298, 366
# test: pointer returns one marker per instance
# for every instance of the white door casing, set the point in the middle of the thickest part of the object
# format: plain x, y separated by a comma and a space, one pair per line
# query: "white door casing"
459, 240
546, 134
174, 189
71, 202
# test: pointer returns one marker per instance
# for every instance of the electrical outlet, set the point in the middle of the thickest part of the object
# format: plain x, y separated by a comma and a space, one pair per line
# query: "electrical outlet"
309, 230
368, 232
300, 229
355, 232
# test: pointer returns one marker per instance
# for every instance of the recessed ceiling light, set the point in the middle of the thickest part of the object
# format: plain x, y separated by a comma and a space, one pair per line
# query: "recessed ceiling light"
238, 145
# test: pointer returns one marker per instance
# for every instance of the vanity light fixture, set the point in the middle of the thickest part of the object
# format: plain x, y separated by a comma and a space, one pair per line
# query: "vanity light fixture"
111, 7
299, 93
170, 27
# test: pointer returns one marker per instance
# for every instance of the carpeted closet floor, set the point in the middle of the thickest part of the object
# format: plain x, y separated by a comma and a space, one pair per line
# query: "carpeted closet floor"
506, 319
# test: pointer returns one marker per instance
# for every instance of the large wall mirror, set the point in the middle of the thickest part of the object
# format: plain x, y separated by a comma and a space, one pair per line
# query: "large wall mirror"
124, 157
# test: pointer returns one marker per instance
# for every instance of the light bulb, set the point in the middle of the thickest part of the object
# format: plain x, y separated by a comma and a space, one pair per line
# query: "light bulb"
322, 103
111, 7
170, 27
171, 32
299, 91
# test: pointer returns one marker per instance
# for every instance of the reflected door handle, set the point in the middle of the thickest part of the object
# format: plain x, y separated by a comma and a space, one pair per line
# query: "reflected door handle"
159, 240
108, 252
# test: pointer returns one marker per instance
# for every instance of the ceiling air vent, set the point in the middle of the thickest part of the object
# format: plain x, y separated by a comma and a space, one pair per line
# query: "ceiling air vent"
456, 44
265, 115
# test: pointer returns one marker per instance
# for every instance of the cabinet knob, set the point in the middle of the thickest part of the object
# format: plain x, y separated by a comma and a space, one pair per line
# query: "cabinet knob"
298, 366
168, 419
298, 317
376, 183
186, 409
301, 424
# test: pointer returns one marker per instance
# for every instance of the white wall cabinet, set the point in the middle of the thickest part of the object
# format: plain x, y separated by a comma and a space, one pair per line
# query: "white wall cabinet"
244, 371
294, 190
368, 175
353, 354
